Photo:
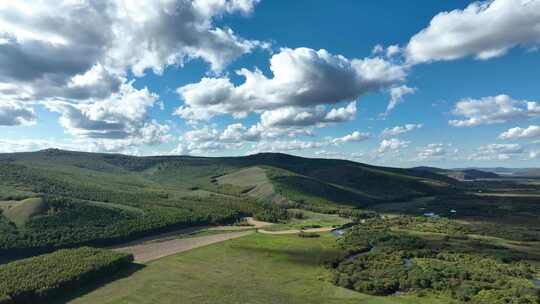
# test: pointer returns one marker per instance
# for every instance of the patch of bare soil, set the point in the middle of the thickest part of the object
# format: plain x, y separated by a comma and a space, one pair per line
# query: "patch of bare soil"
257, 224
144, 252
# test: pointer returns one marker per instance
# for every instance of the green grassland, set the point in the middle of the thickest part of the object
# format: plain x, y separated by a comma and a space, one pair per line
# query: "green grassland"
310, 220
254, 269
22, 211
253, 182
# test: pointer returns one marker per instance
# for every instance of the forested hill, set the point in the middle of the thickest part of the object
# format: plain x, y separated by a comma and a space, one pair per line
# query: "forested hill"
339, 181
55, 198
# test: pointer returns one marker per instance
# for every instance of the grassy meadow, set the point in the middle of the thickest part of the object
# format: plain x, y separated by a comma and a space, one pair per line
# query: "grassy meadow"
254, 269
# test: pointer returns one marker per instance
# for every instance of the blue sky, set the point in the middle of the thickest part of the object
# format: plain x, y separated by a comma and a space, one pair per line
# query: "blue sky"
162, 77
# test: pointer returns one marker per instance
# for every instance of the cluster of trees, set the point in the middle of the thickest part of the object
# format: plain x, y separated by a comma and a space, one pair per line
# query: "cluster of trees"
349, 212
509, 210
382, 257
71, 222
455, 229
35, 279
272, 214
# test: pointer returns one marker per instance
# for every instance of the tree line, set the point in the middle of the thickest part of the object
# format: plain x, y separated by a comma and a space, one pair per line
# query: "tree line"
37, 279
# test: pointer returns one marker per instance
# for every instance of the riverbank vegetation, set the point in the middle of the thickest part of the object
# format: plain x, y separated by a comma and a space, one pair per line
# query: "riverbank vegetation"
386, 256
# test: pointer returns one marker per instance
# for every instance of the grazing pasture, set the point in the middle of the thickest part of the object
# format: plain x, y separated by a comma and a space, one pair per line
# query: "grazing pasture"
253, 269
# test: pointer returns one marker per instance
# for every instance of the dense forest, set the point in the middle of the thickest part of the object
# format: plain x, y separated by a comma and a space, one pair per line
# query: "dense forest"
71, 222
36, 279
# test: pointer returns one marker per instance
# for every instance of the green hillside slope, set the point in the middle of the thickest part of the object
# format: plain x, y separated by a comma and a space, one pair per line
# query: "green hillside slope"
93, 198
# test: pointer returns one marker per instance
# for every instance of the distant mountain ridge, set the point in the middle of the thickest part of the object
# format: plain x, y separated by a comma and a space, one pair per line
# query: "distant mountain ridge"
515, 172
459, 174
367, 182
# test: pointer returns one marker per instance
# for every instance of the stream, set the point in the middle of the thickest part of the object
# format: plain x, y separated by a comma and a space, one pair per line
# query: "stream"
338, 232
354, 256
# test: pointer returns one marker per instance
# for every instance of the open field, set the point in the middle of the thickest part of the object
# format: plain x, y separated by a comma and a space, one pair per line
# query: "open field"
20, 212
154, 250
253, 269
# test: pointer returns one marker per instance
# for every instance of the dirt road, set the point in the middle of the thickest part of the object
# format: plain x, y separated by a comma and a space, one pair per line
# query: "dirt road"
257, 224
293, 231
145, 252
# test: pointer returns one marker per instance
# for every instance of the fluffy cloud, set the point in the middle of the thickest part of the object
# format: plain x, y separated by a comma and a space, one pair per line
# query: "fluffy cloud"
484, 29
53, 42
396, 96
495, 109
338, 155
353, 137
302, 78
285, 146
517, 132
74, 57
389, 51
397, 130
392, 144
258, 137
122, 116
13, 113
238, 133
534, 154
496, 152
294, 116
25, 145
432, 151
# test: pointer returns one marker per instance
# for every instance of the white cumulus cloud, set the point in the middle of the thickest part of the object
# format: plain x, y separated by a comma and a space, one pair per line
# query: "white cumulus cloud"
396, 96
355, 136
484, 29
392, 144
517, 132
497, 152
302, 78
122, 116
432, 151
397, 130
493, 109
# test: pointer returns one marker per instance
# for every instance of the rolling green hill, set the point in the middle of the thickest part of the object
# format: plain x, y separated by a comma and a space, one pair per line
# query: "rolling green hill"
91, 198
21, 212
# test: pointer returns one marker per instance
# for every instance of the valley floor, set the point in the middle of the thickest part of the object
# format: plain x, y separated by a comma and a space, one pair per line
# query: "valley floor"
257, 268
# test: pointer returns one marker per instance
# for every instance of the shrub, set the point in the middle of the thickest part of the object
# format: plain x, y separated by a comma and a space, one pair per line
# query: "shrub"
303, 234
272, 214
